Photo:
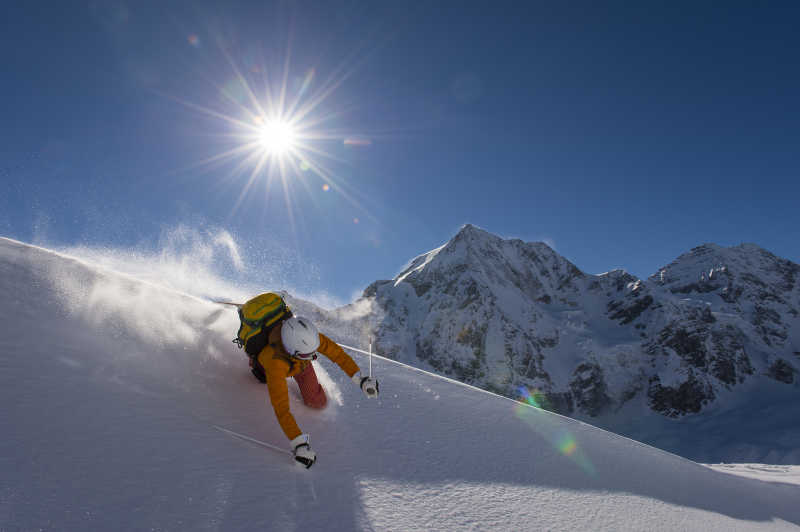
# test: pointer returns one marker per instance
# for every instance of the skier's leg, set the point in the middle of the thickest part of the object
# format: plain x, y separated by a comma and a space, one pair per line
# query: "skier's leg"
310, 388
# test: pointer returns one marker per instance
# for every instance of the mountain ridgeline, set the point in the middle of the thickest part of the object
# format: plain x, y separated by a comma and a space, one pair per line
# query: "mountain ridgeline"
518, 319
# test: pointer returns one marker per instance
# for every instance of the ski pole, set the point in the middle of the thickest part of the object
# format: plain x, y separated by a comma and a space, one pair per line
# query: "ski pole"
252, 440
231, 303
370, 357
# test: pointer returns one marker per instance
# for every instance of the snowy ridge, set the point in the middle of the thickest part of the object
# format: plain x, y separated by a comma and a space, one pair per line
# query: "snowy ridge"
715, 334
108, 422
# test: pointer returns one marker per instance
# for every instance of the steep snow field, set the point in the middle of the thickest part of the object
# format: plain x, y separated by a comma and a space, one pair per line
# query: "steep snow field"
111, 387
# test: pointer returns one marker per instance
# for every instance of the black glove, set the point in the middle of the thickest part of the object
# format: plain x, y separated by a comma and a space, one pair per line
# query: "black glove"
368, 385
303, 452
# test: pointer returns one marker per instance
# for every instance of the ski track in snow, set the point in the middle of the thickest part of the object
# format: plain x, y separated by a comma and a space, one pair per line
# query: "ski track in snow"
767, 472
111, 389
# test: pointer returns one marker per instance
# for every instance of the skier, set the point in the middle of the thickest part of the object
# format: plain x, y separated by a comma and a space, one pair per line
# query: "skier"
293, 344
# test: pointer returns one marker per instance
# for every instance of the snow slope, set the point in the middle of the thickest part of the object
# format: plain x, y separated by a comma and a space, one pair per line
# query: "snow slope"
111, 386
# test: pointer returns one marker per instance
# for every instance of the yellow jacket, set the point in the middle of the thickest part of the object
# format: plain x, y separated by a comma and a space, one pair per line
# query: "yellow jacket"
278, 365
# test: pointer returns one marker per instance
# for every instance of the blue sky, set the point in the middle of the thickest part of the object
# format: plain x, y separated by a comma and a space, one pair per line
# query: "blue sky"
621, 133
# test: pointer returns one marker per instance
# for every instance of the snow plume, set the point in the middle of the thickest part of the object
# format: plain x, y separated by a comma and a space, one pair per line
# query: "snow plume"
201, 263
363, 317
212, 263
330, 386
122, 294
352, 324
358, 310
192, 264
120, 307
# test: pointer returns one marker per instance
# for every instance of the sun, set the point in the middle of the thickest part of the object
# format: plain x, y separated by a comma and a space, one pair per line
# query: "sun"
277, 137
280, 130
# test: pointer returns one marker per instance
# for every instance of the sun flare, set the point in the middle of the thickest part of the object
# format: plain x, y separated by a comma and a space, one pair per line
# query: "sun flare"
278, 132
277, 137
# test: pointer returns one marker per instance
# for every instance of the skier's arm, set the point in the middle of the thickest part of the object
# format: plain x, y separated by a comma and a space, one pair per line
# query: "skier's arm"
279, 396
331, 349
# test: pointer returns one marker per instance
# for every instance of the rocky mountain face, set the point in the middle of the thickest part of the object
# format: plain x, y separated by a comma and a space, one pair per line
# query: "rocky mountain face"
518, 319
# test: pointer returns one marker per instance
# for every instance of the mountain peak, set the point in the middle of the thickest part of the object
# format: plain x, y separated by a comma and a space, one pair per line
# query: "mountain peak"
469, 227
747, 255
708, 247
469, 231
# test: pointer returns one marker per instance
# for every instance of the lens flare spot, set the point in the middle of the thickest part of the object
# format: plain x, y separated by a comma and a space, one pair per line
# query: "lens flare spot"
326, 187
545, 426
357, 142
567, 445
194, 40
355, 220
534, 397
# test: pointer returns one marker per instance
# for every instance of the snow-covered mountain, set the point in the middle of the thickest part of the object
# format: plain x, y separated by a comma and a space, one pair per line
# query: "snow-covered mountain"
709, 342
111, 388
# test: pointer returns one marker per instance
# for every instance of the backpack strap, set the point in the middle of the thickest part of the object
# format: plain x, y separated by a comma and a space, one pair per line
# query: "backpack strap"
277, 346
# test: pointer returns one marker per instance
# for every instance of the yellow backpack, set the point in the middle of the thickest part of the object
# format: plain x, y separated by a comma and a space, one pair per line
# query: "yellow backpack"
258, 317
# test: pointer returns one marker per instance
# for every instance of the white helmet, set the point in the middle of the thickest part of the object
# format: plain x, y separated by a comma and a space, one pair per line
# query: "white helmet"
300, 338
